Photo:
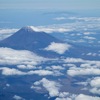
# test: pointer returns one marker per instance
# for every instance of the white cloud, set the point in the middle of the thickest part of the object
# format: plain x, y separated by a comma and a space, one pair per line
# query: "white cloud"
89, 38
87, 67
77, 97
7, 85
66, 96
83, 61
13, 71
36, 88
63, 94
95, 82
16, 97
82, 83
10, 56
92, 54
95, 90
55, 67
51, 86
50, 29
26, 67
59, 18
95, 85
40, 72
59, 48
63, 98
74, 71
86, 97
4, 31
92, 85
73, 60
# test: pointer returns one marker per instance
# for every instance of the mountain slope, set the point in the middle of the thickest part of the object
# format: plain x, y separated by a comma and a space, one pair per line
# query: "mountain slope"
28, 39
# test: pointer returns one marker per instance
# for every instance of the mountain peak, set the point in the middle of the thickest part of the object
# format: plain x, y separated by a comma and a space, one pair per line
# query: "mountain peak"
27, 28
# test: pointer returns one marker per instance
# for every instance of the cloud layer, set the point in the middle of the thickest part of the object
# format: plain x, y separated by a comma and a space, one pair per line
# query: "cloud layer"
4, 33
10, 56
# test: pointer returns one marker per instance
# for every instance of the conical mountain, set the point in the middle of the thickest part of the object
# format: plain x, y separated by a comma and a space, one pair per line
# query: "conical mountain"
28, 39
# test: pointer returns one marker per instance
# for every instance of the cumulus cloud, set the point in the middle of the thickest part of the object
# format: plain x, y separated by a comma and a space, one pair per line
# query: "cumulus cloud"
74, 71
26, 67
95, 82
77, 97
90, 54
55, 68
13, 71
92, 85
86, 97
7, 85
51, 86
10, 56
95, 85
82, 83
95, 90
93, 54
36, 88
16, 97
87, 67
59, 48
40, 72
73, 60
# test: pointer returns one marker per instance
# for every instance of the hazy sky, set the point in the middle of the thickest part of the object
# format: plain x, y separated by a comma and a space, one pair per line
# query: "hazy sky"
50, 4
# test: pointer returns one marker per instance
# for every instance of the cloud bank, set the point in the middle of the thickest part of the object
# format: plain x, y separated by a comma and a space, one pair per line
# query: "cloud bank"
83, 71
10, 56
41, 72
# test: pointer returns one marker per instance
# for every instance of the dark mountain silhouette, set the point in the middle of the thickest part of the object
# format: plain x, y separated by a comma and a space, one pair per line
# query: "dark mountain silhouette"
28, 39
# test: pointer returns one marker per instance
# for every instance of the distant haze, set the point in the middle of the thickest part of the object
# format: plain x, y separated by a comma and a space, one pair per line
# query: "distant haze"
50, 4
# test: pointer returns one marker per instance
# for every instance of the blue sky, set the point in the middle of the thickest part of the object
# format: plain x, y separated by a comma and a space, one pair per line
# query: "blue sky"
50, 4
